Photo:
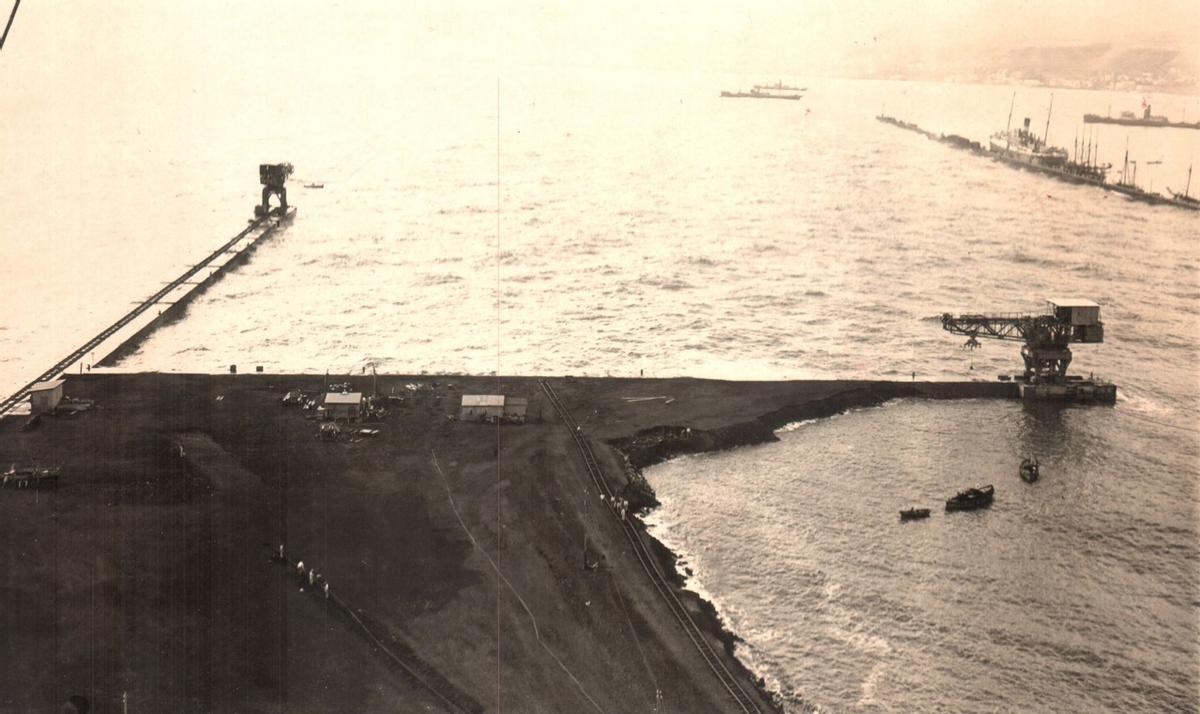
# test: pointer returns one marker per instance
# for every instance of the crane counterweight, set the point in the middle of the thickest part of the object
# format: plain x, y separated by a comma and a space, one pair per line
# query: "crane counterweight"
1046, 350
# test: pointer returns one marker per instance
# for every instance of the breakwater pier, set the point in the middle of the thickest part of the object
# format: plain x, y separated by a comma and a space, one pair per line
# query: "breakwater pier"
1082, 175
171, 299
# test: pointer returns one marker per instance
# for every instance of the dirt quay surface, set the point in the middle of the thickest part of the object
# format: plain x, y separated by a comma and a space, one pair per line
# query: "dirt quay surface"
149, 572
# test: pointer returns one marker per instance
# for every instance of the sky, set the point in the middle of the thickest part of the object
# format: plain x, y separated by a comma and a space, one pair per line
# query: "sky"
809, 38
132, 55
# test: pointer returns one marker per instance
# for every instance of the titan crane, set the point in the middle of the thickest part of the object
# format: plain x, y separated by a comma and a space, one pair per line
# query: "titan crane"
273, 177
1047, 351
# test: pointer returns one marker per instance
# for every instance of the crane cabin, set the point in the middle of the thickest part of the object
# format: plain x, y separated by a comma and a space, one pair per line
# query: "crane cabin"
1082, 315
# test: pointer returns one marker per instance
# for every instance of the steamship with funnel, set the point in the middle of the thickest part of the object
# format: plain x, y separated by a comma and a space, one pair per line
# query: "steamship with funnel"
1022, 146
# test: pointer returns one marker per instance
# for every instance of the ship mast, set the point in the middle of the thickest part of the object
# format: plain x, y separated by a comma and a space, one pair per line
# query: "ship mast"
1188, 187
1046, 134
1125, 168
1008, 126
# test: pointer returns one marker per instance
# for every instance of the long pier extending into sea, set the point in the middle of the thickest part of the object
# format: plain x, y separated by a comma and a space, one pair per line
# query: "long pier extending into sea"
958, 142
117, 334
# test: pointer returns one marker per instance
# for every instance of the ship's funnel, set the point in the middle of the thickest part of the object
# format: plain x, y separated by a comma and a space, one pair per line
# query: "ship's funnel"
1026, 123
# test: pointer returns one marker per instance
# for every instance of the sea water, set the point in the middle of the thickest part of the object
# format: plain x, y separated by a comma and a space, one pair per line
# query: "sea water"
614, 222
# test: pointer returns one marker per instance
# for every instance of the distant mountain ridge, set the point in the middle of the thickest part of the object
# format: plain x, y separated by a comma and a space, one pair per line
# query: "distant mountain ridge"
1102, 65
1086, 60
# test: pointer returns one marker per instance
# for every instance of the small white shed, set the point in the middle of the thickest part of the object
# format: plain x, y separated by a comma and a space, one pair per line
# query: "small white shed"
343, 405
481, 406
45, 396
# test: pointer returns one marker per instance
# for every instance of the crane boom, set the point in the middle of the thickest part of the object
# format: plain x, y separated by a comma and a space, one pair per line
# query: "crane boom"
1014, 327
1047, 337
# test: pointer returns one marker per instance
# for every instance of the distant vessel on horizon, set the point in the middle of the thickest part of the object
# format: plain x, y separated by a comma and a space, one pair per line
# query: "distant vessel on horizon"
767, 91
779, 87
1147, 119
759, 94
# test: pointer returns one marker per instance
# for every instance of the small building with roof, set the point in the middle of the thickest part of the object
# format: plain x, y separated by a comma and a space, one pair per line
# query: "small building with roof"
481, 406
343, 405
45, 396
515, 408
486, 407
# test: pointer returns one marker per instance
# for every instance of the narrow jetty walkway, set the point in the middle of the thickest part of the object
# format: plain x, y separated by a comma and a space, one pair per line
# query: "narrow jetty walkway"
264, 227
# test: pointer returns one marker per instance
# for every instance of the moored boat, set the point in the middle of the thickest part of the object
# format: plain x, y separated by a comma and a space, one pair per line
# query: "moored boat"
911, 514
1022, 146
1185, 199
971, 499
1029, 469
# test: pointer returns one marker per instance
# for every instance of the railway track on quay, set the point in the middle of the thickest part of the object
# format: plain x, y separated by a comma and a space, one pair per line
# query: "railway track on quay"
17, 397
745, 701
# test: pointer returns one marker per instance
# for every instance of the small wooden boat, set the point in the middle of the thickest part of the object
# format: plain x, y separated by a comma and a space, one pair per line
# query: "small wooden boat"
912, 514
971, 499
1030, 470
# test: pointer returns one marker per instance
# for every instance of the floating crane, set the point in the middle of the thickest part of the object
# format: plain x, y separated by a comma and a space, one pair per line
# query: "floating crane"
1047, 351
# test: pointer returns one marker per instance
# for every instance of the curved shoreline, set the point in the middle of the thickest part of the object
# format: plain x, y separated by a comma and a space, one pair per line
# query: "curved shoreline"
656, 445
223, 461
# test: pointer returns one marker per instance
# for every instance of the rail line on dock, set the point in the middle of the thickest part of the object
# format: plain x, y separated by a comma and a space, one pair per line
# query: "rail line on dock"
422, 674
661, 582
11, 401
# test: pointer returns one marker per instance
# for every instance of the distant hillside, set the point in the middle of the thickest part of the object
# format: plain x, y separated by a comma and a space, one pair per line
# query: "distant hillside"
1088, 60
1099, 65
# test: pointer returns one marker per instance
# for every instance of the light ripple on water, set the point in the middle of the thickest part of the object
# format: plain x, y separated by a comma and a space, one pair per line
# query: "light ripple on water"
1034, 603
725, 239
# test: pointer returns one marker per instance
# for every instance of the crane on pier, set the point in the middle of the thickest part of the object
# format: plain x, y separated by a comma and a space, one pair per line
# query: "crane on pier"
273, 177
1047, 338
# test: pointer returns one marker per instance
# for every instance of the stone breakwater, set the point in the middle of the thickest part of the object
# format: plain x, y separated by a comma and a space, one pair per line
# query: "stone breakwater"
660, 443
